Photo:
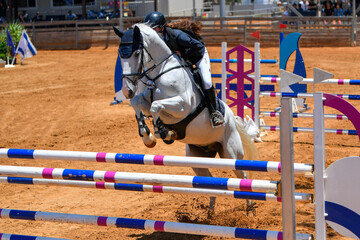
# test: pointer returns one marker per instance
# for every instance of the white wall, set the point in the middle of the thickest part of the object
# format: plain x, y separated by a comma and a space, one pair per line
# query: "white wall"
44, 7
184, 7
141, 8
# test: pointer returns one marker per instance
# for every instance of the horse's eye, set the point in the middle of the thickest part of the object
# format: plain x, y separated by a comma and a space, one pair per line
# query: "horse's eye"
137, 53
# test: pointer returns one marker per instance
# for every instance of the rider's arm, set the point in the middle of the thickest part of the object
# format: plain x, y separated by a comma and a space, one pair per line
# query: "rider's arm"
184, 40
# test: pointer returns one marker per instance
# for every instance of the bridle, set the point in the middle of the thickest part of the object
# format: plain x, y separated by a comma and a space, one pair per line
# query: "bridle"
141, 73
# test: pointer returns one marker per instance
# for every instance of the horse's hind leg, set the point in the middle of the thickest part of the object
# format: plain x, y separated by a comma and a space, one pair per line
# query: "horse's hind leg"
232, 148
194, 151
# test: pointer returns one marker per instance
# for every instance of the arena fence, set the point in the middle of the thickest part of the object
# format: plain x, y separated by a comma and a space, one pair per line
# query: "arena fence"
317, 31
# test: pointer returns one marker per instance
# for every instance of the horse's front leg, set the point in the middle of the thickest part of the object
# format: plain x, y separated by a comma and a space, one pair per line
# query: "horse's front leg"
140, 105
169, 109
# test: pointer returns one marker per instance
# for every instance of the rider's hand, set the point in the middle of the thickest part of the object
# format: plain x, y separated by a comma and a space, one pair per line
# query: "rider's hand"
178, 53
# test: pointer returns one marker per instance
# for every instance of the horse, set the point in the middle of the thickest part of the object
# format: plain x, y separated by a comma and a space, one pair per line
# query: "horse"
160, 86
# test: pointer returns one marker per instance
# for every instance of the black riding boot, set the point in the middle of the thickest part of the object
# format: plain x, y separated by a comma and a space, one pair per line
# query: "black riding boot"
216, 117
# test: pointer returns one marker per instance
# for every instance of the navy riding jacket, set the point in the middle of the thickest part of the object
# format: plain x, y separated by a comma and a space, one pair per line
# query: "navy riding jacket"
190, 48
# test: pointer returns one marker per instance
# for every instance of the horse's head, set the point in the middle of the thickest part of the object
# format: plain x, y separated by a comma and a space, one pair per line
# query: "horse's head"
131, 54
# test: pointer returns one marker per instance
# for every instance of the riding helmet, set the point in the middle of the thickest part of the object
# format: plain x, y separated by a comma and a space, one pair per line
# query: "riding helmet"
155, 19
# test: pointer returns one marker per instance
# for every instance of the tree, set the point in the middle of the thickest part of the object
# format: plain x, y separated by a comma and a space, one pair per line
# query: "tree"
15, 30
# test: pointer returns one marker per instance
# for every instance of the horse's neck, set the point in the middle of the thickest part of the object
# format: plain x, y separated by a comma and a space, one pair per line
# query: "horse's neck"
160, 54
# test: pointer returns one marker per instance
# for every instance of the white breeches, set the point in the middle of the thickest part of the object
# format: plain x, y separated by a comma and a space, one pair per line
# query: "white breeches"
205, 70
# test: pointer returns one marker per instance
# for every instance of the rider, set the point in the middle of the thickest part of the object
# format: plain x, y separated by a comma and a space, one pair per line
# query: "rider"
190, 49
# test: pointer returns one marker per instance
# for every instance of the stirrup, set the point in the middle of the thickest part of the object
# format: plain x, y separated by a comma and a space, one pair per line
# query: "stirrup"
217, 119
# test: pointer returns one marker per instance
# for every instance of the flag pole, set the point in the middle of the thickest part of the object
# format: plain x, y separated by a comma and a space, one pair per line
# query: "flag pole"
13, 60
8, 65
17, 48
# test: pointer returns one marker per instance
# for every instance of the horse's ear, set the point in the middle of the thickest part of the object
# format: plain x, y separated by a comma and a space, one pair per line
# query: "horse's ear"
118, 32
137, 34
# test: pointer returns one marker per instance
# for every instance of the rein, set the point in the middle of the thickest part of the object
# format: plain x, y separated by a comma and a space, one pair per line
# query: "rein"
141, 74
145, 73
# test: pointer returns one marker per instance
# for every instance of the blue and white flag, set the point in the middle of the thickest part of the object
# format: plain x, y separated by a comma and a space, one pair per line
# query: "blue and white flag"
10, 42
25, 48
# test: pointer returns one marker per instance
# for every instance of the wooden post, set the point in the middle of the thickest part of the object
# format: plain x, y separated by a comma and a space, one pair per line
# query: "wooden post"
116, 8
353, 25
34, 35
11, 15
84, 15
245, 27
297, 24
222, 13
121, 17
15, 7
76, 35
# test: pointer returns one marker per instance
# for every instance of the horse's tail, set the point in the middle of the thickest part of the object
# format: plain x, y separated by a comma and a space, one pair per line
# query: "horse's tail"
250, 150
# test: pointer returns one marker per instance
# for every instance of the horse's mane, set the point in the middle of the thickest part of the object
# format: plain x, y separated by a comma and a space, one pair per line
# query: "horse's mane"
145, 28
151, 35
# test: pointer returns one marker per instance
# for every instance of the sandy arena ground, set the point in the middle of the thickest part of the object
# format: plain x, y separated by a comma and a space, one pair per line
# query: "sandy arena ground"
60, 100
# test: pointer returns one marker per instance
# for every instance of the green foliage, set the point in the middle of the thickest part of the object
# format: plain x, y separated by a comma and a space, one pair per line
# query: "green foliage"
3, 47
15, 30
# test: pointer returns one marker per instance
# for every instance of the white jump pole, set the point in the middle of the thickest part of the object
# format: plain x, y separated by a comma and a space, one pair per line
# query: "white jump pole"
248, 185
287, 173
223, 71
158, 160
319, 164
150, 225
257, 85
7, 236
304, 197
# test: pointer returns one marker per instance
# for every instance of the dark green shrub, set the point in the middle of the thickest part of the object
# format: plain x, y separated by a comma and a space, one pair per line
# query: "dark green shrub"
15, 30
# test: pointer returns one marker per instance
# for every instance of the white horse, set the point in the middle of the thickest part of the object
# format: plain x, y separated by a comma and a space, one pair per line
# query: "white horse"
169, 95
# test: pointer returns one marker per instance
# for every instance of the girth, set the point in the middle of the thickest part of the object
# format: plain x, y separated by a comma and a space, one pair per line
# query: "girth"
180, 127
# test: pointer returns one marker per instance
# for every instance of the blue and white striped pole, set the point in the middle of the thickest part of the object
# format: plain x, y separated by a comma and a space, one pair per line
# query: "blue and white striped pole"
247, 185
303, 129
306, 197
6, 236
311, 80
162, 226
306, 95
304, 115
264, 61
161, 160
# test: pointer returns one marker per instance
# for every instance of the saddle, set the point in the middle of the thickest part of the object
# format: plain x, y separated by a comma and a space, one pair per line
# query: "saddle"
180, 127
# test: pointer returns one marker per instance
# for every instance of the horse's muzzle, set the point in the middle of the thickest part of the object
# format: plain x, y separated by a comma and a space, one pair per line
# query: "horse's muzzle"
129, 87
128, 93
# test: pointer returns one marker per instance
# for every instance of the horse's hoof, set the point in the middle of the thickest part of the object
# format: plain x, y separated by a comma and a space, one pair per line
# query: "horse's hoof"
171, 135
149, 141
150, 144
168, 141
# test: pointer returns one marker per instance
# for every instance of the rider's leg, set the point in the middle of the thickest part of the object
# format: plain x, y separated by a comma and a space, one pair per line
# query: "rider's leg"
217, 118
